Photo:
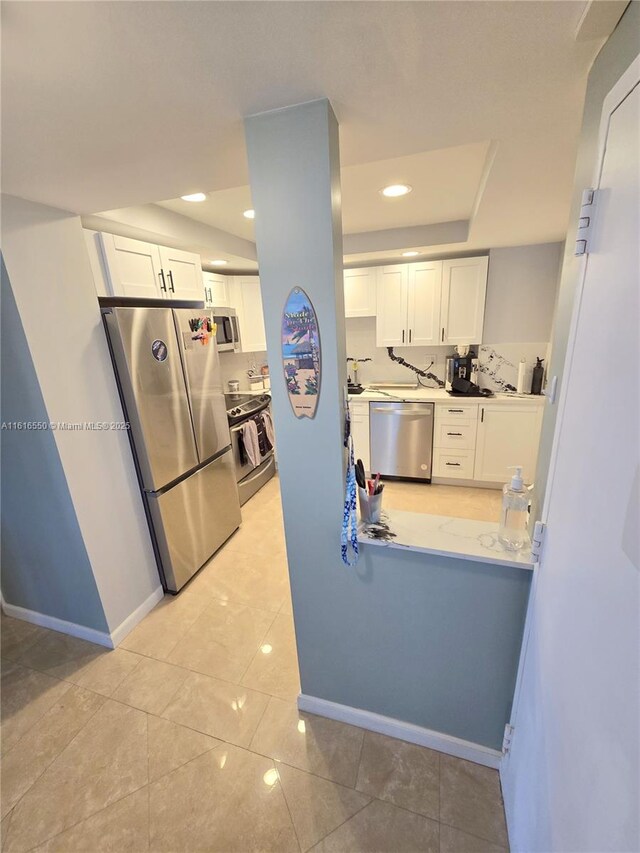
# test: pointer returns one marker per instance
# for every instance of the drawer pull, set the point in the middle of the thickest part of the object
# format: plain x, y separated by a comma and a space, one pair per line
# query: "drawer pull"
453, 464
454, 433
456, 411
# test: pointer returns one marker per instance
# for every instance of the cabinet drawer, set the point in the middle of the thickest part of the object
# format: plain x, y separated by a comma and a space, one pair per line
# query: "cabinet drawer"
359, 408
455, 434
453, 463
467, 412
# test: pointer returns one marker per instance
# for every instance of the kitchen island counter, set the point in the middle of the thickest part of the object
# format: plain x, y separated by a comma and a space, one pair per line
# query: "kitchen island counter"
443, 535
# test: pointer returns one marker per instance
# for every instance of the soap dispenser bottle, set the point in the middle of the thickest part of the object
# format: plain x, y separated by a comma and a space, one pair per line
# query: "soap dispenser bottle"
515, 513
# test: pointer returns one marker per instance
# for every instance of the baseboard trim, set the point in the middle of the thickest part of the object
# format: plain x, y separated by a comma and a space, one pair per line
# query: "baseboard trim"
126, 627
100, 638
448, 744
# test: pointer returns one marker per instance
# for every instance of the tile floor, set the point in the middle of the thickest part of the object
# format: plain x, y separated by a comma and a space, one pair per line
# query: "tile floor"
187, 737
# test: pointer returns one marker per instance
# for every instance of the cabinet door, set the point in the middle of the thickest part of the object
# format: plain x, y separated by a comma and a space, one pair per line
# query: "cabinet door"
183, 273
464, 287
423, 304
133, 267
391, 308
360, 433
360, 292
508, 435
216, 294
248, 303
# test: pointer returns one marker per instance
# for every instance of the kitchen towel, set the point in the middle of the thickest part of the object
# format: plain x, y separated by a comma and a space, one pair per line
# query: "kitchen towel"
250, 440
268, 427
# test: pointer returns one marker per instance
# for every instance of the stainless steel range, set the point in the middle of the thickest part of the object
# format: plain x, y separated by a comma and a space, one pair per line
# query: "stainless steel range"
251, 441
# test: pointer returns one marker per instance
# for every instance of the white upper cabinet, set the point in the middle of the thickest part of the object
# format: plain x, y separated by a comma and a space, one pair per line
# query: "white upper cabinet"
423, 304
146, 271
133, 267
360, 292
247, 300
392, 300
408, 304
183, 271
508, 435
464, 287
216, 291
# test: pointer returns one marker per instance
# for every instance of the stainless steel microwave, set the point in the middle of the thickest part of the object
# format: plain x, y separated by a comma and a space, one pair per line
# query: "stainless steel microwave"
227, 329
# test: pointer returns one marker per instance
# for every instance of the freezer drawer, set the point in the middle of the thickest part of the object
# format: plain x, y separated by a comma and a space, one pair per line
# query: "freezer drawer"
193, 518
402, 439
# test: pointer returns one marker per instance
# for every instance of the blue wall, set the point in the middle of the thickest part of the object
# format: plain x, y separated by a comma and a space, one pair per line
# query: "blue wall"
430, 640
45, 567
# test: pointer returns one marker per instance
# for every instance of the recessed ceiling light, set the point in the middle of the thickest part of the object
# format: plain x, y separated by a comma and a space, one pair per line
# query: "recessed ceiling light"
410, 254
193, 197
220, 263
249, 214
395, 190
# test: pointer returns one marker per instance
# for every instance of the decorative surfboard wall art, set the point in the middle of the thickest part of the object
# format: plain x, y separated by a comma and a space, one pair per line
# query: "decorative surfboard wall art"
301, 353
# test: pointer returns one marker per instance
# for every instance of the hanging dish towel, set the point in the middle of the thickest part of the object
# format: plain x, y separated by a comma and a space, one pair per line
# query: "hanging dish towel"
268, 427
349, 535
250, 440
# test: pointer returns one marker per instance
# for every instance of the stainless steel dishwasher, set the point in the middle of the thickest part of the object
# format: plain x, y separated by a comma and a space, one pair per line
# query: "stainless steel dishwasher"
402, 439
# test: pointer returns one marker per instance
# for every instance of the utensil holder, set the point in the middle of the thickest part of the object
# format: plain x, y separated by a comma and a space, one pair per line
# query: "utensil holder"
370, 506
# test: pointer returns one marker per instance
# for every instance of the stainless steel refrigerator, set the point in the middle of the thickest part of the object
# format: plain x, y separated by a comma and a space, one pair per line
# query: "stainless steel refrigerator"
171, 390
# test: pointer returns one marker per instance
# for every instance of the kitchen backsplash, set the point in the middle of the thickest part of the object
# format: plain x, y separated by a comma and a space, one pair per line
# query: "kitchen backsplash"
361, 343
235, 365
498, 363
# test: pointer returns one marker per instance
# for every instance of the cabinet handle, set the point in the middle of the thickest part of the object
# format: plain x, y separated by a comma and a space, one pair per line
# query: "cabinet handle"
409, 335
210, 295
173, 290
456, 411
453, 464
403, 336
163, 284
454, 433
482, 415
443, 333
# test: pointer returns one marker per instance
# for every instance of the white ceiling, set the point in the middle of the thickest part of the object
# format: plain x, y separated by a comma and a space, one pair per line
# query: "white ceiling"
110, 104
445, 184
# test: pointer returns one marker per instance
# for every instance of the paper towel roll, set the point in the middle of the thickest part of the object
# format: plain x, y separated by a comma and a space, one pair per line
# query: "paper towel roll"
522, 372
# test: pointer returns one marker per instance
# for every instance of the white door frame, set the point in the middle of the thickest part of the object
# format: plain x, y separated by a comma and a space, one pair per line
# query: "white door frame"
622, 88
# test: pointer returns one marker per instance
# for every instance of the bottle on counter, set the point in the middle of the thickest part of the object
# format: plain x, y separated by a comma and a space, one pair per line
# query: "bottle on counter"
537, 377
515, 513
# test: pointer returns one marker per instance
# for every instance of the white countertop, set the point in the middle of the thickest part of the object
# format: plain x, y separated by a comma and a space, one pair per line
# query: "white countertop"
440, 534
438, 395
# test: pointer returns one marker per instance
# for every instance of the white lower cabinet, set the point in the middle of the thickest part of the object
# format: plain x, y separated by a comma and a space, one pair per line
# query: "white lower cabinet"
508, 435
360, 432
455, 464
454, 440
472, 441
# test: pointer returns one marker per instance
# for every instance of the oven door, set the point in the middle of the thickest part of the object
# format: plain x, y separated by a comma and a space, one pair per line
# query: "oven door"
244, 466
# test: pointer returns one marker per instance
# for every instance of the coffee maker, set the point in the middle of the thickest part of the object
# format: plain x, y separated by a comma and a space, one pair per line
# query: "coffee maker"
462, 365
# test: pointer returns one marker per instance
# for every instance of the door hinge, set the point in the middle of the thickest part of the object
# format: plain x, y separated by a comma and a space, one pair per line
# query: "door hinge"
508, 737
585, 222
537, 540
